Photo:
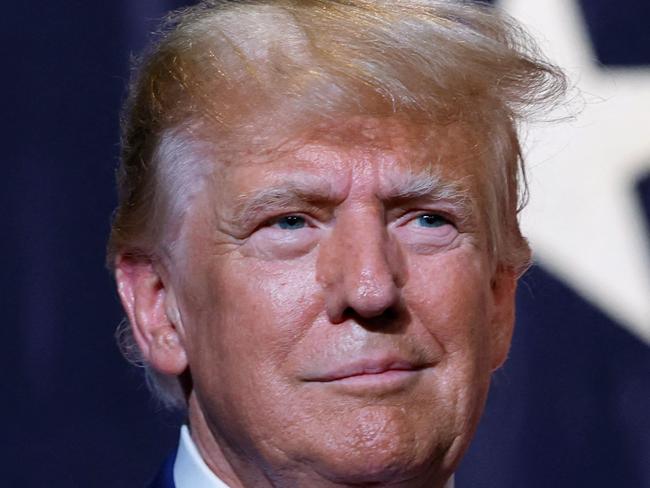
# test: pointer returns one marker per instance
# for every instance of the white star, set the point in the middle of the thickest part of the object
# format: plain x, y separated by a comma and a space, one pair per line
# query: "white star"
584, 220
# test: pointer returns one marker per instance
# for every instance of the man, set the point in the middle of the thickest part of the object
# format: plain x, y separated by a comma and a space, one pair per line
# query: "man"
316, 243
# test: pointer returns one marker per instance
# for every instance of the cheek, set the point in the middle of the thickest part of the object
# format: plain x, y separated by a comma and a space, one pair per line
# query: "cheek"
450, 295
278, 300
450, 299
252, 315
251, 311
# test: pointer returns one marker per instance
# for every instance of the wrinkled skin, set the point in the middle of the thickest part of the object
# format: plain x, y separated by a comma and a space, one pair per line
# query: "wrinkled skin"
337, 332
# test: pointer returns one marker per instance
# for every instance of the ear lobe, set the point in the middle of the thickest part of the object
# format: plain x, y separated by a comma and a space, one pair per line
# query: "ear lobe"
504, 286
153, 314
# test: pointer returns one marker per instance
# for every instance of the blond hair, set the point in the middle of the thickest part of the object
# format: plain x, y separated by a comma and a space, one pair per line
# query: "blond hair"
250, 72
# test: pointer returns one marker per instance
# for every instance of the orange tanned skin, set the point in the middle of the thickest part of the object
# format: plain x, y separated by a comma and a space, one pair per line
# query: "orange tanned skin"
340, 327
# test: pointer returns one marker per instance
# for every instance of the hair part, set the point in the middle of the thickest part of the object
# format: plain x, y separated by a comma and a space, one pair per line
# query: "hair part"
226, 78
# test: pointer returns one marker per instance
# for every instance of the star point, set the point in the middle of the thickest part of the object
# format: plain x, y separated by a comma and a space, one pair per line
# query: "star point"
584, 221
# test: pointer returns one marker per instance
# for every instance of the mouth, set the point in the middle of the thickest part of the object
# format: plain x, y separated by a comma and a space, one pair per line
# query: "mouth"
367, 368
371, 376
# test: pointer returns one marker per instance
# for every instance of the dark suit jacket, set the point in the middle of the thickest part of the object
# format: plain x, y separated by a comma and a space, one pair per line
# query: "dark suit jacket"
165, 477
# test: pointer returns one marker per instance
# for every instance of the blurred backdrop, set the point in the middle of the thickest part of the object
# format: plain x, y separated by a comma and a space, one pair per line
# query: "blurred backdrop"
570, 408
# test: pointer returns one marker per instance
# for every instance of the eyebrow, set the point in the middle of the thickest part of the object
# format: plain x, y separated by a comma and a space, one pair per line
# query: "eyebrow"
428, 185
315, 191
431, 186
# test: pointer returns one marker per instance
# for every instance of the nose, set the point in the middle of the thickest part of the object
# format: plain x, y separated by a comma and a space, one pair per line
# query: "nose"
361, 269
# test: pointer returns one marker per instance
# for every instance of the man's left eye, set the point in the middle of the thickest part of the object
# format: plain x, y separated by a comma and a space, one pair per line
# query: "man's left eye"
291, 222
431, 220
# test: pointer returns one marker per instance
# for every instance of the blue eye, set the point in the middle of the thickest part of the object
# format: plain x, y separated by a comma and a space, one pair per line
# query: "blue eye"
291, 222
431, 220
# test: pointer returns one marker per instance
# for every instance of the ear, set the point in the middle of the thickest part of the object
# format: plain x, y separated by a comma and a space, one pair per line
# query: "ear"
503, 287
153, 314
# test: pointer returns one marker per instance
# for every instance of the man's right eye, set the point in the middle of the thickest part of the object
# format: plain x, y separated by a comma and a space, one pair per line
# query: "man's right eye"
290, 222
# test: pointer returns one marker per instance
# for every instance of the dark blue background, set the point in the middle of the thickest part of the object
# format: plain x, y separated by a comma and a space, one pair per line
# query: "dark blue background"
571, 407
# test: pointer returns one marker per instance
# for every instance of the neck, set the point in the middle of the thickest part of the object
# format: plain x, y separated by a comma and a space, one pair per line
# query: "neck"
222, 462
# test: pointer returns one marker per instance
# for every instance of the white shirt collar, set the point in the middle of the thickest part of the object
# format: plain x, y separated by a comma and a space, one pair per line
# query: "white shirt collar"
190, 471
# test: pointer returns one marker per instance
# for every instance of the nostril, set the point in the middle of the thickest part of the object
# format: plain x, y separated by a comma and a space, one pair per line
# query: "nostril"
389, 313
391, 319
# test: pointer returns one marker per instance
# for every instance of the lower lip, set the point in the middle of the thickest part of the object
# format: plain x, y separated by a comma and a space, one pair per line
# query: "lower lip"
375, 383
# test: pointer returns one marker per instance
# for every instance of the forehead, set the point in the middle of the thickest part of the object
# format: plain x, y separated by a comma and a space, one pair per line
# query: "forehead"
381, 150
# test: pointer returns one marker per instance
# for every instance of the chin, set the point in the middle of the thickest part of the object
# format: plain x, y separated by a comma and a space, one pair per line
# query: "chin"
382, 446
371, 469
384, 469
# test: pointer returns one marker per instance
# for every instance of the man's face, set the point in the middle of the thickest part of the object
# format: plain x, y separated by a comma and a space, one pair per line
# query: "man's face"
339, 308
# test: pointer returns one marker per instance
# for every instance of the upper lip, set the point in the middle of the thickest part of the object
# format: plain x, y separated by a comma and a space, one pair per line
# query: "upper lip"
366, 366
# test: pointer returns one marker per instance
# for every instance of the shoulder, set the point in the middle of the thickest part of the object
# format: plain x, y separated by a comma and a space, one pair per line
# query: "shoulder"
165, 476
